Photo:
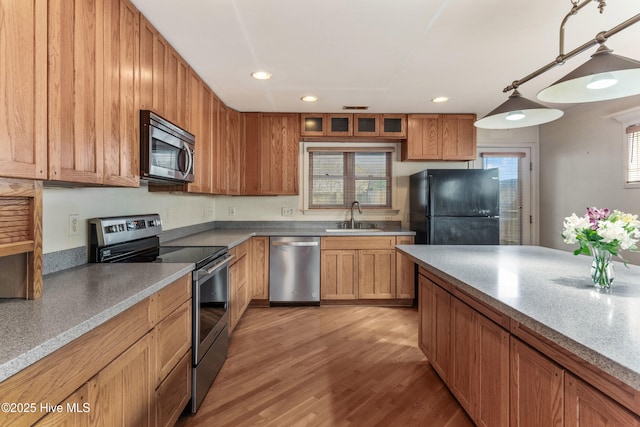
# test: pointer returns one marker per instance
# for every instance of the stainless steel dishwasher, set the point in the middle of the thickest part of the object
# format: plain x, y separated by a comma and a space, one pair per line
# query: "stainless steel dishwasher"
294, 270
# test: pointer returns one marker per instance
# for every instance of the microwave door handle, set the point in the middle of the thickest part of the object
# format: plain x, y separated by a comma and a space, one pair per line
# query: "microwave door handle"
185, 147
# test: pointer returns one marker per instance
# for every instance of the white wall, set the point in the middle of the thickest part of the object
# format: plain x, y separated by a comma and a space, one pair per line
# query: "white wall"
175, 209
582, 165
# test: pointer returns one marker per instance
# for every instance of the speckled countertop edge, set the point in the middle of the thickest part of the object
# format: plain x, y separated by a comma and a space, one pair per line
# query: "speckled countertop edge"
234, 237
74, 302
609, 364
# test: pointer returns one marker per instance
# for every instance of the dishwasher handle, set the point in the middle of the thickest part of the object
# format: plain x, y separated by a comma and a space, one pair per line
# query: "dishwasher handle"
298, 244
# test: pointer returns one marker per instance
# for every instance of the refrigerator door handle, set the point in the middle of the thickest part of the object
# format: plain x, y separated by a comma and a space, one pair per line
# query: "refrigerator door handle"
429, 197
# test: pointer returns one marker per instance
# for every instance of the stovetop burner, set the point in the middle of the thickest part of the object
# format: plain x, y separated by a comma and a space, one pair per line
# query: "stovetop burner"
200, 255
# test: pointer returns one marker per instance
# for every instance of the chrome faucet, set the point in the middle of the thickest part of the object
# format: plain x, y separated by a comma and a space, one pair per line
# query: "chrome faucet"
353, 221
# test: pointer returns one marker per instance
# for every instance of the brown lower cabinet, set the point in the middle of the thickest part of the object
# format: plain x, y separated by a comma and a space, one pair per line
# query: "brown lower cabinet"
538, 386
259, 273
501, 380
479, 373
366, 268
586, 406
239, 292
133, 370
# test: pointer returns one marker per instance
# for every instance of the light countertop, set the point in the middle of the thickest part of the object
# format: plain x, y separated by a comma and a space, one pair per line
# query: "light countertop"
74, 302
551, 292
232, 237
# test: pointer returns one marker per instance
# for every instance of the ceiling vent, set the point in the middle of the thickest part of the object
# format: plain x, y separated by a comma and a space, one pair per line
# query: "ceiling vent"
355, 107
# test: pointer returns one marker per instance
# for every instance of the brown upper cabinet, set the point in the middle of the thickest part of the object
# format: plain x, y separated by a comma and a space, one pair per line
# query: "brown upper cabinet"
122, 81
271, 151
164, 77
76, 103
347, 125
440, 137
72, 90
23, 98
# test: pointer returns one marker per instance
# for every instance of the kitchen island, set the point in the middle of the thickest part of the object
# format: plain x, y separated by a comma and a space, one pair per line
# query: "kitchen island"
545, 298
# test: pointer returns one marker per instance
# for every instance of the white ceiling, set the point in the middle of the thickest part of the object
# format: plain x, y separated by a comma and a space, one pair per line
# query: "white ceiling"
391, 55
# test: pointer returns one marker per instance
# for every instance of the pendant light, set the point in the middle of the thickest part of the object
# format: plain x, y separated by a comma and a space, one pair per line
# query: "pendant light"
604, 76
518, 112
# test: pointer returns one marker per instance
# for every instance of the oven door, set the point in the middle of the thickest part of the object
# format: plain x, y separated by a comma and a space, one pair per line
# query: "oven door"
210, 305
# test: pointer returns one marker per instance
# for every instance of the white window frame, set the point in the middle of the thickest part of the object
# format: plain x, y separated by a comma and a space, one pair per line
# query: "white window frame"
533, 191
304, 171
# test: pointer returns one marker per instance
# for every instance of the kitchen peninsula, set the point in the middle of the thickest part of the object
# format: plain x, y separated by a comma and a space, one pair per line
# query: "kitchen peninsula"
506, 326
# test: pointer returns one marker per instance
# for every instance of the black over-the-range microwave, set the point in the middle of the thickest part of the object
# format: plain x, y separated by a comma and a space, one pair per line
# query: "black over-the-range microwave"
166, 150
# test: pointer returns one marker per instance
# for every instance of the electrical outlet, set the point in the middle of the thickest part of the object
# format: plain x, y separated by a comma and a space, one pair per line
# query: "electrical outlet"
74, 224
232, 211
167, 217
288, 211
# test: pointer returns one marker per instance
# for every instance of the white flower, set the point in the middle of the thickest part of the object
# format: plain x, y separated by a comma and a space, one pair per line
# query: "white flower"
610, 231
573, 225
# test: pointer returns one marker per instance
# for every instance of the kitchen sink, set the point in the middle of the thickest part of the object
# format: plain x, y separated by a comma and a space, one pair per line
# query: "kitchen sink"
354, 227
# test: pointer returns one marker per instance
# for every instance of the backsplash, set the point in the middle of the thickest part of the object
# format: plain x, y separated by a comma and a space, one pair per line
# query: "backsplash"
70, 258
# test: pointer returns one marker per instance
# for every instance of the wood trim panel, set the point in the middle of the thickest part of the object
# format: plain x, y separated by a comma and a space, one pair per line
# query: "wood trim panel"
358, 242
56, 376
599, 379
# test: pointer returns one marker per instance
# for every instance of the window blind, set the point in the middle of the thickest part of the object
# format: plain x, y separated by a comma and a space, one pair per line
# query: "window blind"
337, 178
633, 150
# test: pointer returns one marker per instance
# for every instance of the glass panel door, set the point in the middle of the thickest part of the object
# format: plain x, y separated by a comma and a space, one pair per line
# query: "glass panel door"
513, 164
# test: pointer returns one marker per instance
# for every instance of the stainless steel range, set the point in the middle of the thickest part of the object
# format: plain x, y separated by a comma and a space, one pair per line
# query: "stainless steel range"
136, 239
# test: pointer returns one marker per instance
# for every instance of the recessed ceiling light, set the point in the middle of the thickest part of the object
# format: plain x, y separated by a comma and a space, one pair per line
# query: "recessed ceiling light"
261, 75
440, 99
309, 98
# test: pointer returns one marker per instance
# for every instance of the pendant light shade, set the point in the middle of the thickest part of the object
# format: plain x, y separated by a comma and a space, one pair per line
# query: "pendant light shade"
604, 76
518, 112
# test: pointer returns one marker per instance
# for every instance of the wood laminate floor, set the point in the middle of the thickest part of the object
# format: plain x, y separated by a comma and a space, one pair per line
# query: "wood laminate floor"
328, 366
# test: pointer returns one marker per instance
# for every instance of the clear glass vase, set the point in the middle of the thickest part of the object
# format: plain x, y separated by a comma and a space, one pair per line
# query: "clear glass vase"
602, 268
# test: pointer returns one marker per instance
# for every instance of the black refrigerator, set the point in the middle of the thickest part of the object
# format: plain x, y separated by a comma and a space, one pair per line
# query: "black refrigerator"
455, 206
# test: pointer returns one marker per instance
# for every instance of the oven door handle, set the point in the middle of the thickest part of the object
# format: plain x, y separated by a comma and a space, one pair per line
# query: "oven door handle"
221, 264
